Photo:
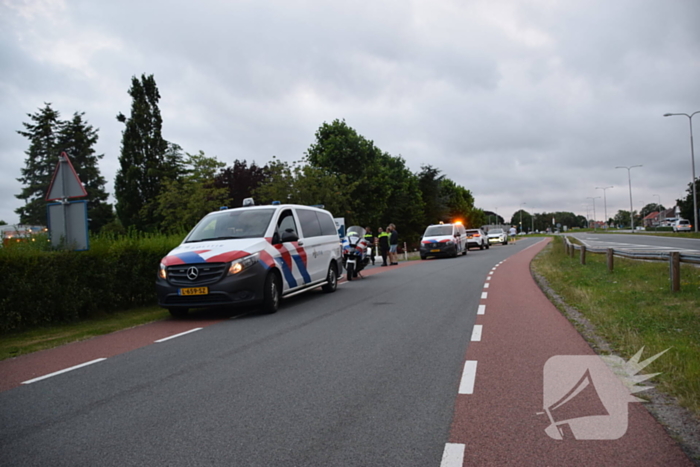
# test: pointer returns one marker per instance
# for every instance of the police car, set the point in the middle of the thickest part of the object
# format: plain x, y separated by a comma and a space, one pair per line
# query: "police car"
251, 255
443, 240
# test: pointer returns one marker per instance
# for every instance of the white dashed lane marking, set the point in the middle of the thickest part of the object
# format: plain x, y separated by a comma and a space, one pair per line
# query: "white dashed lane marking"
63, 371
482, 310
178, 335
476, 333
466, 385
453, 455
484, 295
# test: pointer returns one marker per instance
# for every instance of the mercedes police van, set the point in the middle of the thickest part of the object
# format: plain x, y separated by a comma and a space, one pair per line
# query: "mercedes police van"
251, 255
443, 240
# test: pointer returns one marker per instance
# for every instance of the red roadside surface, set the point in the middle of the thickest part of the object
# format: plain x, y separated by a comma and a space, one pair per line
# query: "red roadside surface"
502, 422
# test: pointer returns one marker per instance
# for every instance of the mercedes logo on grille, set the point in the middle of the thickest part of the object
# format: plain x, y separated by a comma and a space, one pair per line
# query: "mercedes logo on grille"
192, 273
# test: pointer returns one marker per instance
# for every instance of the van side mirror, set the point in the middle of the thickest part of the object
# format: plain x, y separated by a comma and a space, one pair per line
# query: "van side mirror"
289, 236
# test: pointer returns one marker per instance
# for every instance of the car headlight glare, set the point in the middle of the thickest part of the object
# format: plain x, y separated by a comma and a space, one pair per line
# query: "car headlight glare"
242, 264
163, 272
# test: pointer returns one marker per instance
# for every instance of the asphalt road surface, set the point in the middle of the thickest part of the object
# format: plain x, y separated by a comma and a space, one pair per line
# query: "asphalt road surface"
372, 375
640, 242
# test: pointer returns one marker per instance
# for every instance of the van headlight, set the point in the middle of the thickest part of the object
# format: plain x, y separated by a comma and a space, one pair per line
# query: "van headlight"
242, 264
163, 272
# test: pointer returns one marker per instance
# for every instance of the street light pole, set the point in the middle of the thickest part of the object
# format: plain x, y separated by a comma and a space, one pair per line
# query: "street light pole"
629, 181
605, 203
594, 220
658, 215
692, 163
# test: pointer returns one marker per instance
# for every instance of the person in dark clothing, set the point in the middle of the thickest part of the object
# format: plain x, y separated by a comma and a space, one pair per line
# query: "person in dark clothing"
393, 246
371, 243
383, 241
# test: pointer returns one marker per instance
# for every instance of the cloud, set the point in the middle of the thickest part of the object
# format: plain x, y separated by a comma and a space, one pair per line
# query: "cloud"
532, 102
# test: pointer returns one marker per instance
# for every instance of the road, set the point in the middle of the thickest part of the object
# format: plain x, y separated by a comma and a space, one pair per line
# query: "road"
639, 242
370, 375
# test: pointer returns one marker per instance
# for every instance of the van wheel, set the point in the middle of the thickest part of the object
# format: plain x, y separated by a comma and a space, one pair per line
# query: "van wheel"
481, 247
178, 312
351, 271
422, 257
332, 279
272, 294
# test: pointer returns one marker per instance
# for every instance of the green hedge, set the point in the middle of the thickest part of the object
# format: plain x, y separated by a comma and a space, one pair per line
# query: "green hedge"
41, 286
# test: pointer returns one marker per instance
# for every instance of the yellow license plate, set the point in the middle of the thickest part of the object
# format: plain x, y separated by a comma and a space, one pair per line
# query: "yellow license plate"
194, 291
434, 251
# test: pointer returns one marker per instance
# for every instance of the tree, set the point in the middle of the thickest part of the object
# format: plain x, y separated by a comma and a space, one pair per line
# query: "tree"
303, 184
650, 208
240, 181
686, 204
49, 136
429, 180
183, 201
146, 159
77, 138
40, 164
340, 150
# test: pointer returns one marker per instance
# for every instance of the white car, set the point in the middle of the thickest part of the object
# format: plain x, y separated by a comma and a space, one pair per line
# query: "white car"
251, 255
498, 236
477, 238
682, 225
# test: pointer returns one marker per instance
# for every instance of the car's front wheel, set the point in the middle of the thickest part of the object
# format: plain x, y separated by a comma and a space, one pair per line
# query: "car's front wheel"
331, 279
272, 294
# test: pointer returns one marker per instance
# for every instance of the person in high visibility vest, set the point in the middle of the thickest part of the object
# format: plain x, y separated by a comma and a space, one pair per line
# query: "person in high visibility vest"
371, 243
383, 241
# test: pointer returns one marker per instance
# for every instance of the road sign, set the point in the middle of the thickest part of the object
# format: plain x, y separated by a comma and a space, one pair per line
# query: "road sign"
68, 225
65, 182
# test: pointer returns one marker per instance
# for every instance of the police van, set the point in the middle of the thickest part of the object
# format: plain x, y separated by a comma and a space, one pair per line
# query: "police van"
443, 240
253, 255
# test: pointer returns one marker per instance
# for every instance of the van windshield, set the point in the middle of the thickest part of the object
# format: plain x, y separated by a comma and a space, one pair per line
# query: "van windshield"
234, 223
438, 230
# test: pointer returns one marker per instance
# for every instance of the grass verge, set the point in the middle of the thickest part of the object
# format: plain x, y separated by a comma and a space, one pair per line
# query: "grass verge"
633, 307
20, 343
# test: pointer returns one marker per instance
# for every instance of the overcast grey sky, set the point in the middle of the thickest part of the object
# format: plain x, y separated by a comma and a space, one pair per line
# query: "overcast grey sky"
530, 102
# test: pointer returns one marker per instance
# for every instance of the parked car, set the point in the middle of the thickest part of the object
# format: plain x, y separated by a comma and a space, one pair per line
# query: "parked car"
251, 255
498, 236
682, 225
477, 238
443, 240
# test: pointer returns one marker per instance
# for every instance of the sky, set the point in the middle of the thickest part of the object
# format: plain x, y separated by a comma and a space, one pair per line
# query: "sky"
528, 104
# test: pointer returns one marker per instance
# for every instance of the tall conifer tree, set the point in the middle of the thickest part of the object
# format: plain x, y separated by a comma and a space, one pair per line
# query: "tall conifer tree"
40, 163
146, 158
77, 138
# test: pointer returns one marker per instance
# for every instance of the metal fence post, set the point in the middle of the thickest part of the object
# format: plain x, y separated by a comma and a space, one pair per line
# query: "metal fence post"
611, 256
583, 254
675, 270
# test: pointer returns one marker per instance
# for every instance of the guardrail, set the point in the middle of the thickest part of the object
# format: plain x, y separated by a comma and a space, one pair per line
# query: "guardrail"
674, 259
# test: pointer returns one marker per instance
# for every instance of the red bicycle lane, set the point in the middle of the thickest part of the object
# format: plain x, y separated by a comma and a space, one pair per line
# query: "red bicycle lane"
499, 418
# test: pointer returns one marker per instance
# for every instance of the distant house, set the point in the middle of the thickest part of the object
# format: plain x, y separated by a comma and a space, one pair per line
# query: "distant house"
651, 220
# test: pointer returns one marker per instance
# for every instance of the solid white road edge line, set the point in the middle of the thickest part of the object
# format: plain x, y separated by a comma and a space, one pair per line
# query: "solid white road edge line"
476, 333
178, 335
484, 295
482, 310
62, 371
466, 385
453, 455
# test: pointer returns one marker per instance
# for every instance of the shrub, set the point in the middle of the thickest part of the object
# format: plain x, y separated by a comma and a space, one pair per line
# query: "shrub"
43, 286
